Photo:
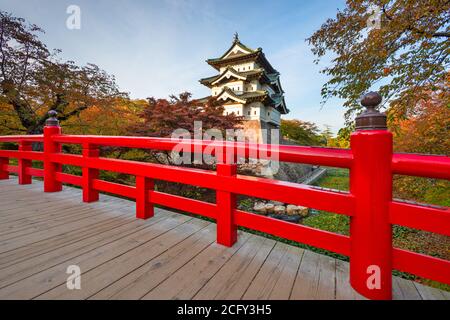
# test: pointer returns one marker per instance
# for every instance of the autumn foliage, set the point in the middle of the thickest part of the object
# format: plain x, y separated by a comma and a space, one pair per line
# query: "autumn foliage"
161, 117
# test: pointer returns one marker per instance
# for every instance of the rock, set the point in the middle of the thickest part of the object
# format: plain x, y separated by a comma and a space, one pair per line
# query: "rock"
292, 210
269, 208
303, 211
285, 217
279, 209
260, 207
277, 203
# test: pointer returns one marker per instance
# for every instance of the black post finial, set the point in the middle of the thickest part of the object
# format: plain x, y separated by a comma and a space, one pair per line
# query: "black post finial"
371, 119
52, 121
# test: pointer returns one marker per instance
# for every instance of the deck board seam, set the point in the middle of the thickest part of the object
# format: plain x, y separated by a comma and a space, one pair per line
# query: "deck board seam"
257, 272
223, 265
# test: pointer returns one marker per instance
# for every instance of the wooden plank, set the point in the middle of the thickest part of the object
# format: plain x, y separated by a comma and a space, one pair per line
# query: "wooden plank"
25, 211
404, 290
276, 276
200, 270
65, 216
28, 239
326, 287
114, 212
344, 290
307, 279
45, 211
38, 263
44, 281
79, 216
429, 293
98, 278
237, 274
42, 215
41, 247
143, 279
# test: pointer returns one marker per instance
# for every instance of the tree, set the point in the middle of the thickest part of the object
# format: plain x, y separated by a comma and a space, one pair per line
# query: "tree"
115, 120
161, 116
326, 135
425, 128
408, 54
302, 132
34, 80
342, 140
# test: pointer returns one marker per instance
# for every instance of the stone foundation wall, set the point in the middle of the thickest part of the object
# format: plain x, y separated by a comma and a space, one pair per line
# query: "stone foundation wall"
253, 131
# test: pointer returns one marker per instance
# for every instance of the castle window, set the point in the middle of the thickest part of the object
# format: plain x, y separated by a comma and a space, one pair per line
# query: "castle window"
255, 111
268, 113
248, 113
238, 112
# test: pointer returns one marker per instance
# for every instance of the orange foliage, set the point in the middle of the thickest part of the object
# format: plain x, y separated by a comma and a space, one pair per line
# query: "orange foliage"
109, 120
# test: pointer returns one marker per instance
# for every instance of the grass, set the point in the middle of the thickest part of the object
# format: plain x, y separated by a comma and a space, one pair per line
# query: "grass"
406, 238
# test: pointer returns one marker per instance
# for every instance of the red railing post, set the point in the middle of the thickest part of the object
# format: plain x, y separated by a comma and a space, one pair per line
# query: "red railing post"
4, 174
226, 204
144, 207
23, 164
89, 174
371, 185
50, 168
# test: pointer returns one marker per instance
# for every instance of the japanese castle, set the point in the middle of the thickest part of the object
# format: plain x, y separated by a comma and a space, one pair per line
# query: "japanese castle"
249, 86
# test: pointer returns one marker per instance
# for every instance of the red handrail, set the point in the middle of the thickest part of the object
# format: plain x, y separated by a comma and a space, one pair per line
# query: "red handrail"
369, 203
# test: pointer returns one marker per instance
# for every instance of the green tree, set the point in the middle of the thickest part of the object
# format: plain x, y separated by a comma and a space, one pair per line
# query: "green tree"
408, 54
302, 132
326, 135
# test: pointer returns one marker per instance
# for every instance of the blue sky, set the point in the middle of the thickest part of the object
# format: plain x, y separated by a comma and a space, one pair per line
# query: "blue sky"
159, 47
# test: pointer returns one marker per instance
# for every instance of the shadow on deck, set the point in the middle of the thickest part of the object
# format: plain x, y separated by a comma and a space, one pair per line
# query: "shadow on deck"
170, 256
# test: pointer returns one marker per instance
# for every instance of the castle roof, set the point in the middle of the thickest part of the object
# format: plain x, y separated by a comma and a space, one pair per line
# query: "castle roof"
229, 72
274, 100
240, 53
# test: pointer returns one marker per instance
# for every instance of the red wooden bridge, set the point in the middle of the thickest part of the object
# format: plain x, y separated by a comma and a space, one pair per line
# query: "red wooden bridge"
167, 255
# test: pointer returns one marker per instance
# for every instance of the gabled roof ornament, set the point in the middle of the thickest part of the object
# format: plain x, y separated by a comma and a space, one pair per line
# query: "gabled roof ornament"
236, 37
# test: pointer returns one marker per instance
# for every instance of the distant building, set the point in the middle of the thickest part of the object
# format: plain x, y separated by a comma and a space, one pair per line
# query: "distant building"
249, 86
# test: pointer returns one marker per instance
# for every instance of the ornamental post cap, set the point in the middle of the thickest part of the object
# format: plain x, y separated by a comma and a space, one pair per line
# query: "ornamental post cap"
371, 99
371, 119
52, 121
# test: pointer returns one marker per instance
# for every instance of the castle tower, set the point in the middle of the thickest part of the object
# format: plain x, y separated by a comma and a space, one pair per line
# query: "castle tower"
249, 86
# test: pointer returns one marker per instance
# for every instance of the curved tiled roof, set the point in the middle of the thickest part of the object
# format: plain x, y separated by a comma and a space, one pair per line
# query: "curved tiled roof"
259, 74
275, 100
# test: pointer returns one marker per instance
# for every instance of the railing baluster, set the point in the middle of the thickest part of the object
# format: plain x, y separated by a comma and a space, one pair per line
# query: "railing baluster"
24, 177
50, 168
4, 174
89, 174
226, 203
144, 207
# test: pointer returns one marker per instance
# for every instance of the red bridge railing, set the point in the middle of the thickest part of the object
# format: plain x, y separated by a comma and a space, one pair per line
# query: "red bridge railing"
369, 203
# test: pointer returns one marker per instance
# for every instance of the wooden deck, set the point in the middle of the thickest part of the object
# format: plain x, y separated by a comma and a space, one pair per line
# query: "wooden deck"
170, 256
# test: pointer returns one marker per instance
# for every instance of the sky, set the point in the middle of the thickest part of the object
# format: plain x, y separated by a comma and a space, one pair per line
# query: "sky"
159, 47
